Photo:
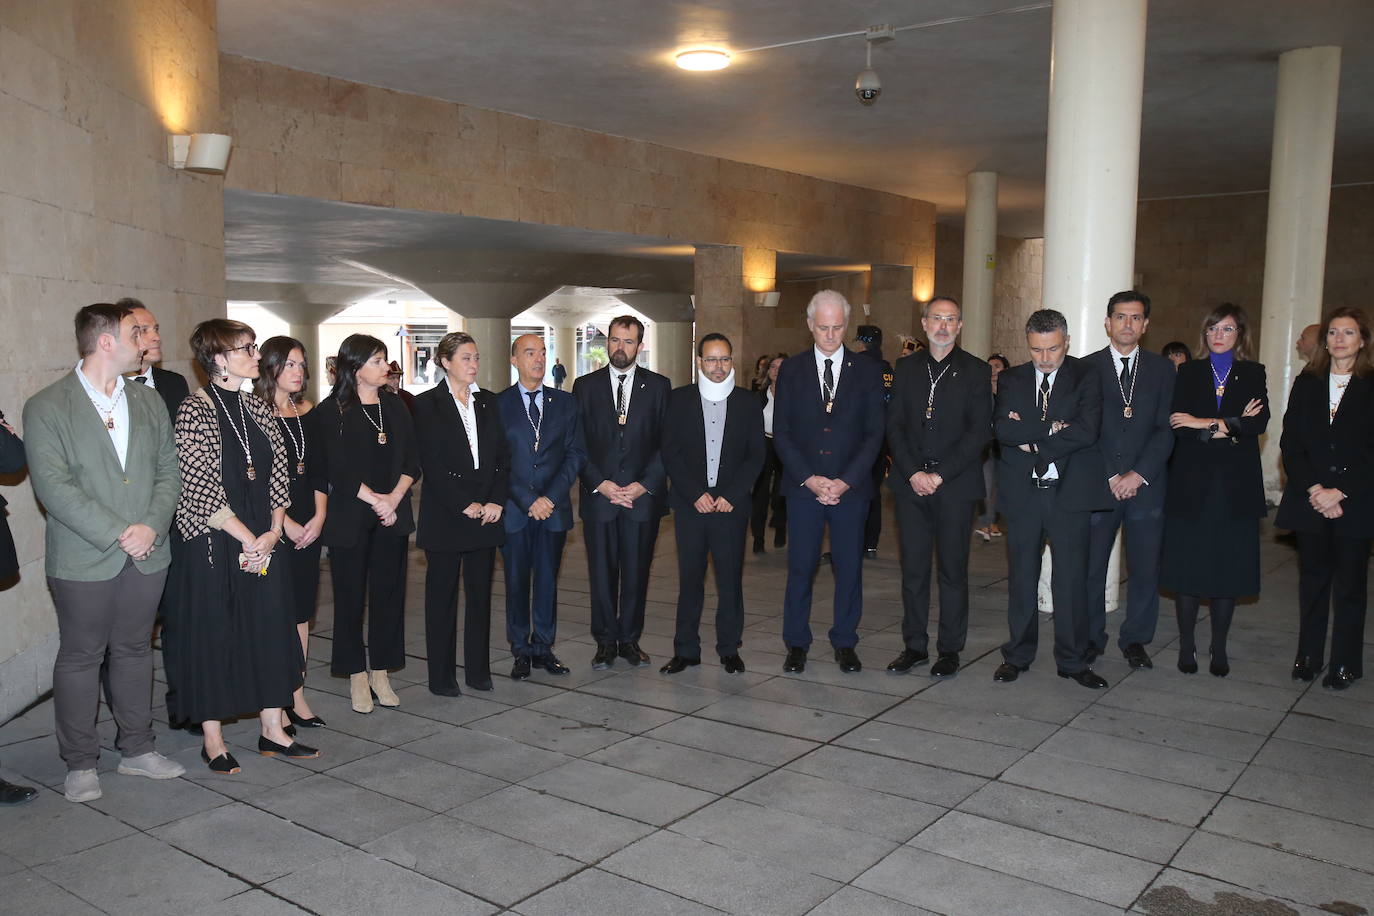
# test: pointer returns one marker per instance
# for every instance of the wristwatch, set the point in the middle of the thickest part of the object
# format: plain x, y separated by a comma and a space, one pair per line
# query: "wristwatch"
1214, 426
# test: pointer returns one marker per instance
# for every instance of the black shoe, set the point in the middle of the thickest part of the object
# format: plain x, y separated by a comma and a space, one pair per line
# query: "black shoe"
303, 722
1007, 672
947, 665
1338, 678
1137, 657
780, 539
1305, 668
636, 656
796, 660
677, 664
758, 545
604, 657
269, 748
825, 557
445, 690
224, 764
11, 794
1187, 661
1093, 654
848, 660
1086, 677
520, 671
480, 685
550, 663
908, 659
870, 553
733, 664
1219, 667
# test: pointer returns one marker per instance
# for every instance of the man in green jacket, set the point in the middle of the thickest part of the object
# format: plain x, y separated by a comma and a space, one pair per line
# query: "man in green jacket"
103, 465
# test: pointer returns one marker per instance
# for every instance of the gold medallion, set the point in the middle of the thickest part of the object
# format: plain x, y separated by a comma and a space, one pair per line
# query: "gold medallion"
300, 468
381, 438
252, 473
1127, 412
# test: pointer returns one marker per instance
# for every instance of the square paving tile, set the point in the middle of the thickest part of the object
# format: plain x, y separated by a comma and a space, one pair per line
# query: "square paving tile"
31, 894
966, 755
553, 823
355, 882
416, 779
1293, 831
491, 755
252, 844
906, 778
683, 765
552, 733
596, 891
251, 903
50, 827
339, 809
835, 802
732, 740
643, 798
1272, 872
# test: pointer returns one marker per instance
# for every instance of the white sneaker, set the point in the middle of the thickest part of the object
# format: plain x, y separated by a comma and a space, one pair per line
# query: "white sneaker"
152, 764
81, 786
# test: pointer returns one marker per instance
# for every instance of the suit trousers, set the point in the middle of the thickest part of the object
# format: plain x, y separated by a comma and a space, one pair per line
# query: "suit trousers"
943, 524
1333, 574
1033, 517
619, 552
442, 571
115, 616
1143, 542
719, 535
806, 523
374, 566
533, 552
768, 493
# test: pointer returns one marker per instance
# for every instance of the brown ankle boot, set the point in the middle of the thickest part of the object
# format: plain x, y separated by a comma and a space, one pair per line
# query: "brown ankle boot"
382, 687
360, 692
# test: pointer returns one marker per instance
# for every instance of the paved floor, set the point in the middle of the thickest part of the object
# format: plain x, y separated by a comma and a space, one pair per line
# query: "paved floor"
619, 792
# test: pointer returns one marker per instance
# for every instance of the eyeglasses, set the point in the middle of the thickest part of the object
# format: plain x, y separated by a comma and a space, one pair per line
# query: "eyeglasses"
251, 349
717, 360
1222, 329
943, 319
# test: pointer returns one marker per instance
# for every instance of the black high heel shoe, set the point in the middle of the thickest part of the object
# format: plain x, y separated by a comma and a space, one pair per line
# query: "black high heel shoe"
224, 764
1187, 661
303, 721
1338, 678
269, 748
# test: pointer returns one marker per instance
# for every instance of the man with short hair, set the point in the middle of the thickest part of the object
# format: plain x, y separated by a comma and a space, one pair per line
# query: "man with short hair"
1049, 480
544, 430
1136, 441
103, 464
1307, 342
623, 413
170, 385
559, 373
713, 452
938, 423
827, 428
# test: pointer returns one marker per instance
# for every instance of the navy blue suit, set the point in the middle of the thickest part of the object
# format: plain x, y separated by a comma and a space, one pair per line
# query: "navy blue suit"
536, 547
842, 444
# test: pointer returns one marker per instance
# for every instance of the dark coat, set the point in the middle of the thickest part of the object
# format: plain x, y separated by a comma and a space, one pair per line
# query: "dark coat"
451, 482
1144, 441
1320, 451
11, 462
1231, 463
741, 451
623, 454
344, 433
552, 470
172, 387
959, 428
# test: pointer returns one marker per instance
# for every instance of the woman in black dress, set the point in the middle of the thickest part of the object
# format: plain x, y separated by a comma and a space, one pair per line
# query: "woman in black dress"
1216, 492
282, 374
228, 634
1328, 454
768, 488
466, 462
368, 443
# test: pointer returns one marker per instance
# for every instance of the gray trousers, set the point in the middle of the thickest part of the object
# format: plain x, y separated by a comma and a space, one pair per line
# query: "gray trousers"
93, 617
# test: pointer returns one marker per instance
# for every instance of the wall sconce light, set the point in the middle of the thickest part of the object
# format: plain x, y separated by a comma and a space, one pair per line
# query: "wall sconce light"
208, 153
767, 300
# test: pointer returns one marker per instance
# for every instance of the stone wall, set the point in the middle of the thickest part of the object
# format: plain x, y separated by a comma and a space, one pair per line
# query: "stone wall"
1016, 288
89, 212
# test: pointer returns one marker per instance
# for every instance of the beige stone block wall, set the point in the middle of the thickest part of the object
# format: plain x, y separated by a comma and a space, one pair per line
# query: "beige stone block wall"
90, 212
1016, 288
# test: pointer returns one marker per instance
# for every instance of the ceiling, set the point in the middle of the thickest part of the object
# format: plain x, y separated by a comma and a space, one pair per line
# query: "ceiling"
956, 98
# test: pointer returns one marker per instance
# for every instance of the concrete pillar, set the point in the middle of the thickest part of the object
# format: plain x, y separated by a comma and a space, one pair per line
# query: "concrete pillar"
980, 261
303, 323
564, 347
1097, 72
673, 351
1295, 246
493, 342
891, 306
725, 281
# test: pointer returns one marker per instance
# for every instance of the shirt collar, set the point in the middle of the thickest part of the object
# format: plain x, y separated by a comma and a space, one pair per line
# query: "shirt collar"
1118, 356
86, 383
537, 389
628, 373
821, 357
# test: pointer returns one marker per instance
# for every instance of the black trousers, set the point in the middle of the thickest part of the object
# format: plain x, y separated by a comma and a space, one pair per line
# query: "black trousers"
768, 494
944, 525
873, 524
619, 552
719, 535
442, 571
1033, 516
374, 566
1333, 575
1144, 539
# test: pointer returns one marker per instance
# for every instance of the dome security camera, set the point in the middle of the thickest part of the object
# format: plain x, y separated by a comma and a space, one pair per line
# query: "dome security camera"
868, 87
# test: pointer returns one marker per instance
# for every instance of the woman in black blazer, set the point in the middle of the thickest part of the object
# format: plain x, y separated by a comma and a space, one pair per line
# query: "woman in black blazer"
371, 463
1328, 454
1216, 492
768, 488
466, 462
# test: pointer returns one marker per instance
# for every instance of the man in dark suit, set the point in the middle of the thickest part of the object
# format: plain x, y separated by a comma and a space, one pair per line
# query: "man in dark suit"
170, 385
871, 337
544, 429
938, 423
713, 451
623, 483
1135, 442
827, 429
1049, 480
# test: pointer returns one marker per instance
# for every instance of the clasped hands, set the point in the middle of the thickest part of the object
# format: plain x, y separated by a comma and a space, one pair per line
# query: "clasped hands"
259, 550
706, 503
138, 541
541, 509
1124, 486
384, 504
1183, 420
925, 483
489, 513
1326, 500
828, 490
625, 496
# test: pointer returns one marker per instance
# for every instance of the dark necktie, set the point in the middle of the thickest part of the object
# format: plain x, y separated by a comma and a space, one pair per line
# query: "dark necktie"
829, 381
534, 408
1125, 373
141, 379
1044, 390
620, 395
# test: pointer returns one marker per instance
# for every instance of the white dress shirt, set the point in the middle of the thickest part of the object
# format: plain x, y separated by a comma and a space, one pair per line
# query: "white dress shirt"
1053, 472
468, 413
629, 384
836, 362
115, 408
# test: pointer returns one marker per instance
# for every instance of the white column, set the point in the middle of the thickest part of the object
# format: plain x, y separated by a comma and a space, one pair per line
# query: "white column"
1295, 246
1097, 73
493, 342
980, 261
564, 347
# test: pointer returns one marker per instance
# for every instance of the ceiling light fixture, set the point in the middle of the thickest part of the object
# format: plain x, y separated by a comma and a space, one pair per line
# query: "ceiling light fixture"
703, 59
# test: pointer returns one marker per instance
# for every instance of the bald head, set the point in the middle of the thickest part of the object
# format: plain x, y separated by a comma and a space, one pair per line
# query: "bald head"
1307, 342
528, 356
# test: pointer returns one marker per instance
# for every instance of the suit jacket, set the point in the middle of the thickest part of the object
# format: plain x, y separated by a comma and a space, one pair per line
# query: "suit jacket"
623, 454
841, 444
958, 430
172, 387
89, 498
451, 482
1232, 463
1319, 450
1144, 442
343, 433
741, 450
1075, 399
12, 458
552, 470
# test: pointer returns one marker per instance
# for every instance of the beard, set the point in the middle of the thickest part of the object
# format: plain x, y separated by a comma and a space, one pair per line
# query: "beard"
622, 360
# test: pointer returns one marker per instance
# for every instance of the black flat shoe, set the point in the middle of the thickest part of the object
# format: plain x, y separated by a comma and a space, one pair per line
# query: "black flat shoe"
795, 661
11, 794
604, 658
224, 764
1137, 657
520, 671
269, 748
908, 659
550, 663
677, 664
1305, 668
1187, 662
1007, 672
1087, 677
848, 660
732, 664
303, 721
1338, 678
947, 665
1219, 668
